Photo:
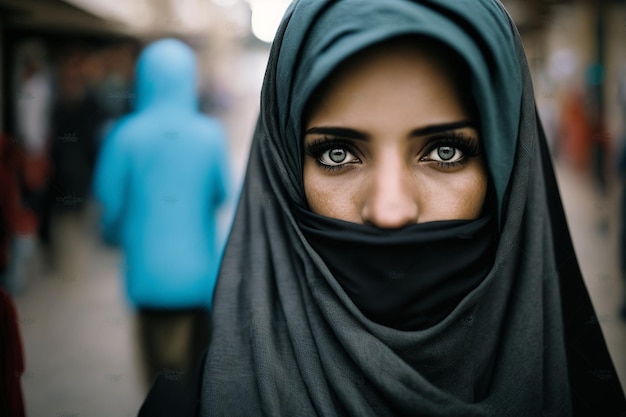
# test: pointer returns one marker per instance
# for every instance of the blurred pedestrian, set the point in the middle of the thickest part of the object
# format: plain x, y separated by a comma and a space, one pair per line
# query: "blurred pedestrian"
574, 131
113, 87
18, 222
33, 104
76, 121
160, 179
26, 156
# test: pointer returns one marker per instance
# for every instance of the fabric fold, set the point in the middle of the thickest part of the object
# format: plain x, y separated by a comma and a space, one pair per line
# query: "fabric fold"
289, 338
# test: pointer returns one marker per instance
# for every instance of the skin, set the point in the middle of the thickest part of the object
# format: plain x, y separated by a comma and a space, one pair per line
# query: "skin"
387, 172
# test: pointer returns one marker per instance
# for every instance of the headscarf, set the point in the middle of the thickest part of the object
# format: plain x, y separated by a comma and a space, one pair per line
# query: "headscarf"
287, 338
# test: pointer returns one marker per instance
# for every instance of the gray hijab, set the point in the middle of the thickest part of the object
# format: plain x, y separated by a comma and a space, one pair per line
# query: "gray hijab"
288, 341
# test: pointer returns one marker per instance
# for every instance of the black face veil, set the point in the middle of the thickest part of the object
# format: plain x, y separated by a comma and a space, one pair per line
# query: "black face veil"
289, 340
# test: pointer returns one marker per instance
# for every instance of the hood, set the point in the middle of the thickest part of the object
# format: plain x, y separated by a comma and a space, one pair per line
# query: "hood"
166, 76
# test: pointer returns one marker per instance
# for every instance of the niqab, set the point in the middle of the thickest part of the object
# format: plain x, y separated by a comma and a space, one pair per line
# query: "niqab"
409, 278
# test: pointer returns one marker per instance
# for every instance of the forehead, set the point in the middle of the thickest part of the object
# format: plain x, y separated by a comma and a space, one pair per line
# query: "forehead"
416, 60
395, 79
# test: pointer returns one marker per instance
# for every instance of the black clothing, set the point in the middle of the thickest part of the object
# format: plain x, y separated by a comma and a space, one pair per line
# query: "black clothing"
290, 338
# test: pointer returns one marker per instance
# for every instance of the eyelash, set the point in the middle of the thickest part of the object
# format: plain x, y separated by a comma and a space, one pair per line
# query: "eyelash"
465, 144
318, 147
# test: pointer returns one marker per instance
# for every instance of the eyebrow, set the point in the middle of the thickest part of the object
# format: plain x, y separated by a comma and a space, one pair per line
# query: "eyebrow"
336, 131
444, 127
422, 131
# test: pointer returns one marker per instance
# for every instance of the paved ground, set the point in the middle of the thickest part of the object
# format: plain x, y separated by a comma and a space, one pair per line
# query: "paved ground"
594, 225
78, 336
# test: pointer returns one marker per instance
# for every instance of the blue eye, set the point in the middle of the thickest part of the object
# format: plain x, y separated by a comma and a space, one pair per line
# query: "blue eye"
337, 156
448, 154
451, 149
330, 153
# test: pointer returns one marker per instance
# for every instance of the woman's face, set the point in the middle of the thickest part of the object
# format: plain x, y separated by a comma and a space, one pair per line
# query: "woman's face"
390, 143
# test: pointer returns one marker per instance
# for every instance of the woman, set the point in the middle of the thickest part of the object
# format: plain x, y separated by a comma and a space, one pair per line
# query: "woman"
399, 247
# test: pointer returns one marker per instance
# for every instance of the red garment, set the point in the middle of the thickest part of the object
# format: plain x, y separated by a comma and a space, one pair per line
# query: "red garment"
575, 131
35, 171
15, 218
11, 360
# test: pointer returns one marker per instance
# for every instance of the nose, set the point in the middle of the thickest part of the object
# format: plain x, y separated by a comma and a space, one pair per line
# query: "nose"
391, 200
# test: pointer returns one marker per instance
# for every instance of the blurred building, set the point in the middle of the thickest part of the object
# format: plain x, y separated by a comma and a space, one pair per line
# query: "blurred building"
569, 42
577, 47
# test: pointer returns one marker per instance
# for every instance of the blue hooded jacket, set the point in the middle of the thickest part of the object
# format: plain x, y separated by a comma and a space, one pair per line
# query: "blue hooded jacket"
160, 178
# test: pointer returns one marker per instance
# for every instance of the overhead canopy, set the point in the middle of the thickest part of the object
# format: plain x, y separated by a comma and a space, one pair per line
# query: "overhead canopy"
55, 15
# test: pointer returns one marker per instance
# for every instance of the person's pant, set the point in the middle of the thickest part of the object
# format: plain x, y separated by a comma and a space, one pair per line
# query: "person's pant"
171, 341
20, 256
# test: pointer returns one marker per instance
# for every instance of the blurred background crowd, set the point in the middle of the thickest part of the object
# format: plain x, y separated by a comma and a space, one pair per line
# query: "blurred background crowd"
67, 72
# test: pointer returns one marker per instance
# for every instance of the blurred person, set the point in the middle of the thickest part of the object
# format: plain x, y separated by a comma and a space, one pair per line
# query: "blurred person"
75, 127
18, 222
33, 105
574, 132
114, 88
599, 136
400, 246
160, 179
31, 166
11, 360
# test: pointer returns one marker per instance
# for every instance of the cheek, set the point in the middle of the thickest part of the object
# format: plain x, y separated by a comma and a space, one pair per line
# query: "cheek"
469, 194
327, 195
456, 196
478, 183
472, 197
